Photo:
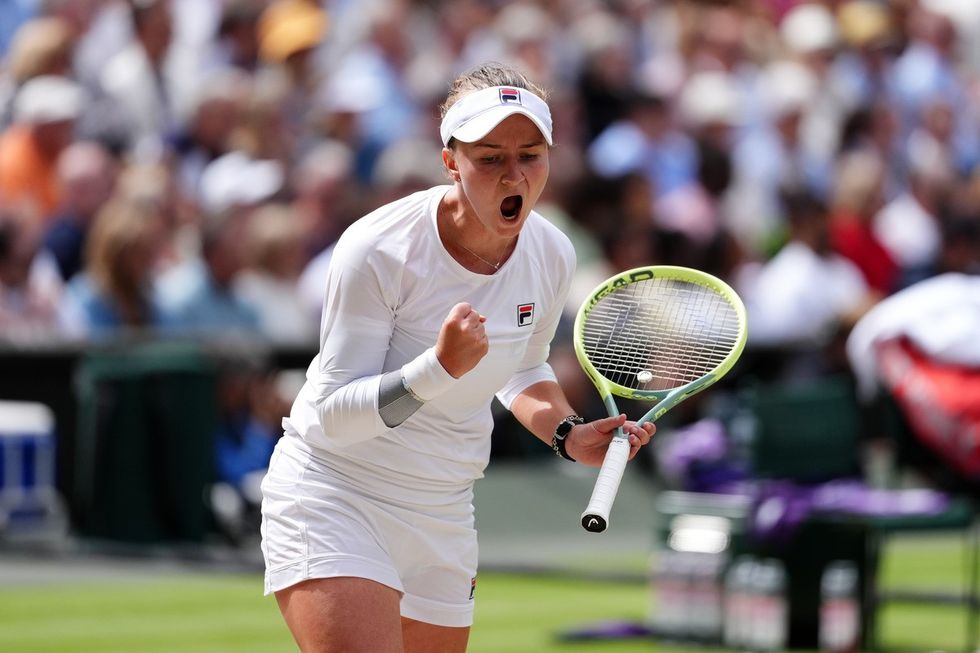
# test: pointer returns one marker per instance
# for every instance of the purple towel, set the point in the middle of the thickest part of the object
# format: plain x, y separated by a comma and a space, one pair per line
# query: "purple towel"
780, 506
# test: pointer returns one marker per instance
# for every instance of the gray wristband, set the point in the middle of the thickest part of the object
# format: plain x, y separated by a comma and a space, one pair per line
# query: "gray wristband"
396, 402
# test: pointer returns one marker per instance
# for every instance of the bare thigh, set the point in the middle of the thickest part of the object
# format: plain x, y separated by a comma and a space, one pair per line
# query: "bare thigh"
421, 637
356, 614
349, 615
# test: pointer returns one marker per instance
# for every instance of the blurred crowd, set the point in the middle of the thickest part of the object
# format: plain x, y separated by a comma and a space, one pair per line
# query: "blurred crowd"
184, 166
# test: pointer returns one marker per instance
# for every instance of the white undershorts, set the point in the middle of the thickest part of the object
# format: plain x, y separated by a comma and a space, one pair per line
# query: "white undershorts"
314, 526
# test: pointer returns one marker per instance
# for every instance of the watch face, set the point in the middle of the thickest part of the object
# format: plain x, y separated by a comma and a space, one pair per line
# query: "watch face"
563, 429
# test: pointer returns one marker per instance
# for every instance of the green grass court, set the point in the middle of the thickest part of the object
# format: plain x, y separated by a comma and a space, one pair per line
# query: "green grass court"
199, 612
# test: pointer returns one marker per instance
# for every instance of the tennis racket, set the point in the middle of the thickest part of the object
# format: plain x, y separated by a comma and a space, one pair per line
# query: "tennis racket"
661, 334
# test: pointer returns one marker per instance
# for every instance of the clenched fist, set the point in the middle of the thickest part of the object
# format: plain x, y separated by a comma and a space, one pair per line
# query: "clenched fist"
462, 340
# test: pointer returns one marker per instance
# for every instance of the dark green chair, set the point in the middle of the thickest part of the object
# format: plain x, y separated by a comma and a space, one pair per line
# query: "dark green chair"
145, 450
813, 431
808, 432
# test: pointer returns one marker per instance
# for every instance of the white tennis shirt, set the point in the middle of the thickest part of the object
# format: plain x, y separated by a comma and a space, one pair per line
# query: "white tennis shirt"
390, 286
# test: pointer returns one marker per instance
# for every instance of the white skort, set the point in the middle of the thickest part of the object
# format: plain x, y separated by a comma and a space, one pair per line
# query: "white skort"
315, 526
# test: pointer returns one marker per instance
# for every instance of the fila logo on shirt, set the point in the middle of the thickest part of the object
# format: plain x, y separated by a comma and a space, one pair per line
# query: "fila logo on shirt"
525, 314
510, 96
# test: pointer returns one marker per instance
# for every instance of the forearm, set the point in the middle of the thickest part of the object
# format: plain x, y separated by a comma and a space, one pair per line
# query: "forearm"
365, 408
540, 407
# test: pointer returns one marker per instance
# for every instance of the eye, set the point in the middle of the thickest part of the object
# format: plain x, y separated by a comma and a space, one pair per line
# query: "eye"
489, 159
530, 156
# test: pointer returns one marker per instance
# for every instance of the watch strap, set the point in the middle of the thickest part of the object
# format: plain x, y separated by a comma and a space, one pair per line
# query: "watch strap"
561, 432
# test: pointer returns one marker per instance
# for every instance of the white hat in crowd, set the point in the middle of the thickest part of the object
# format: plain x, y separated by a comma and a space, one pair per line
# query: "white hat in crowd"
809, 28
236, 180
789, 87
48, 98
709, 97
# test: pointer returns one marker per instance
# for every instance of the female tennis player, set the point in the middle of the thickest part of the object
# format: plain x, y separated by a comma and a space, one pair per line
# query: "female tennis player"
434, 304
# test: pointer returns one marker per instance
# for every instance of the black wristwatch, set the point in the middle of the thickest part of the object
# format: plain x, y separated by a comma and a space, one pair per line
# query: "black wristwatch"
561, 432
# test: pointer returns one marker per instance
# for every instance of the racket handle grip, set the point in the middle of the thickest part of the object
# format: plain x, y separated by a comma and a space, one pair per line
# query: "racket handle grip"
596, 515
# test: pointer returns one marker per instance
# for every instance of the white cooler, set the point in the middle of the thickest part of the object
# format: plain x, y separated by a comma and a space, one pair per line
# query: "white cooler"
29, 500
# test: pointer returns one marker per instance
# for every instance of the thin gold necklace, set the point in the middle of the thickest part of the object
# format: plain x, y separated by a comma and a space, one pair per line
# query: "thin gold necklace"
495, 266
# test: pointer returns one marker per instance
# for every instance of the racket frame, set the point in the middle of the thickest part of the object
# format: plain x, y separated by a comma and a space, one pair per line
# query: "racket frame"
596, 516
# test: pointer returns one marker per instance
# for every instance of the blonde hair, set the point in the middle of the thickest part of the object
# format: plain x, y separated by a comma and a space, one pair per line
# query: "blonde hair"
40, 47
487, 76
860, 175
122, 224
272, 229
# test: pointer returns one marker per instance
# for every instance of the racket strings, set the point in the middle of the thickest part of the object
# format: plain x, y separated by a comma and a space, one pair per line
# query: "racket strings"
659, 334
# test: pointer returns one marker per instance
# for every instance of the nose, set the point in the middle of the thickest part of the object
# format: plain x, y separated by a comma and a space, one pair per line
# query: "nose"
512, 173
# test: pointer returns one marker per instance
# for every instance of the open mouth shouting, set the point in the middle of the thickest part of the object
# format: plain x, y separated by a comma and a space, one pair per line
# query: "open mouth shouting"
510, 208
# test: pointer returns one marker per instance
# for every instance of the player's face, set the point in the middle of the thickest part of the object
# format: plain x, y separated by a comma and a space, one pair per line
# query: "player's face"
503, 174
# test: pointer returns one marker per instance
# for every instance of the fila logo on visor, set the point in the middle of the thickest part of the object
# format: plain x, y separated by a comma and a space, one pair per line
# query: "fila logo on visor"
525, 314
510, 96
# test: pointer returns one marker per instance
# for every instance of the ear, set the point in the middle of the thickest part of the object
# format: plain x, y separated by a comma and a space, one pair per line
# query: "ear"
449, 160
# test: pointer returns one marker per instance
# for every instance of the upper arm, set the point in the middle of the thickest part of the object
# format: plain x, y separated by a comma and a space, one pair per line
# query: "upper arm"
358, 320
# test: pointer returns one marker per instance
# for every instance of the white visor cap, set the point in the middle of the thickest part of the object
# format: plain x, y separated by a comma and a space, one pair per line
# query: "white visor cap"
475, 115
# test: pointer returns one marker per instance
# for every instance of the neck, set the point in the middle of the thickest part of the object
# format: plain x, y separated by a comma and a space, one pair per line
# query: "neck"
468, 242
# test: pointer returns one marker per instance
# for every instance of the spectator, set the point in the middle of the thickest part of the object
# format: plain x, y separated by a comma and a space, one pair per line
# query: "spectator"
86, 175
263, 133
646, 141
45, 112
875, 128
142, 83
198, 292
30, 287
711, 112
249, 413
324, 198
806, 293
857, 197
77, 14
237, 42
289, 31
269, 284
325, 193
216, 113
42, 46
383, 59
773, 156
154, 185
811, 35
961, 245
604, 86
908, 226
114, 294
237, 182
859, 76
925, 70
